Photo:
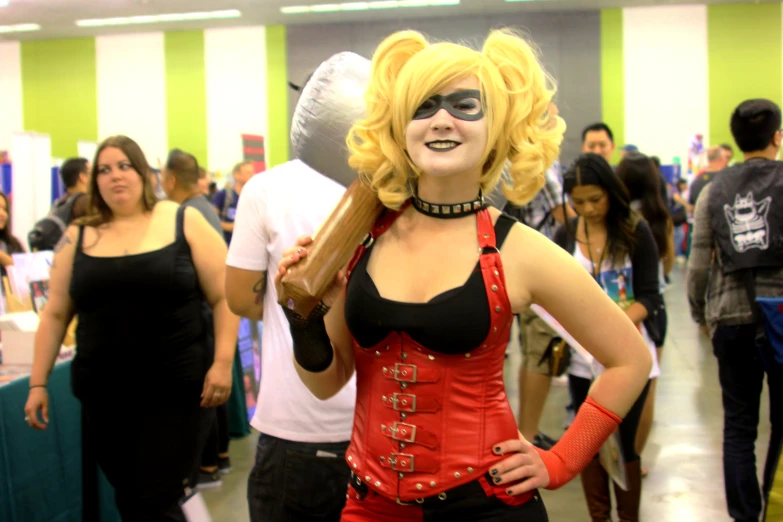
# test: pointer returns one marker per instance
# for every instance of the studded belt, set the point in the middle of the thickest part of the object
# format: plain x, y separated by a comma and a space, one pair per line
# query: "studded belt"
471, 489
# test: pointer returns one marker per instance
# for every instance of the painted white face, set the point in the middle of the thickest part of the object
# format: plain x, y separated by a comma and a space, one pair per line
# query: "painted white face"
443, 144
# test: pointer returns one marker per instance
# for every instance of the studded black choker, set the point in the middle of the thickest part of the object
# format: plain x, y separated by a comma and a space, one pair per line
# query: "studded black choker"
450, 211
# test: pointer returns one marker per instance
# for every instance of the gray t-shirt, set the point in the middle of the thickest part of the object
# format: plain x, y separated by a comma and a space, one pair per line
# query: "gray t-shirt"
203, 205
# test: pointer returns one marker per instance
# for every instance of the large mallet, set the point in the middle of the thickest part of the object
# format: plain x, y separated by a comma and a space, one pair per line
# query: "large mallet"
331, 102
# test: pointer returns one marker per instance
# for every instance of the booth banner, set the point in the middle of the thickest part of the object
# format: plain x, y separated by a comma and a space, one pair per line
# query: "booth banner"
249, 347
253, 150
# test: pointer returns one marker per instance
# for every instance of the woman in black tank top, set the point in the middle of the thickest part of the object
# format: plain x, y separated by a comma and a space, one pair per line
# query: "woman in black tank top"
136, 272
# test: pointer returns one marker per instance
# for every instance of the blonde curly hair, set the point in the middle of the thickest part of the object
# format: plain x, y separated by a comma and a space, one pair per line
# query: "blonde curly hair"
524, 133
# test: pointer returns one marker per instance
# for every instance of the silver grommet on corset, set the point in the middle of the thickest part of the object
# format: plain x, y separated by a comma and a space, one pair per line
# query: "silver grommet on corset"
377, 354
470, 470
432, 357
494, 288
401, 475
419, 486
432, 484
467, 356
377, 484
404, 355
442, 496
497, 309
457, 475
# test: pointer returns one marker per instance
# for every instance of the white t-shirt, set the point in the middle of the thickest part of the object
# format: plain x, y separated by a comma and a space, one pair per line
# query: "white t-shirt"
277, 207
618, 284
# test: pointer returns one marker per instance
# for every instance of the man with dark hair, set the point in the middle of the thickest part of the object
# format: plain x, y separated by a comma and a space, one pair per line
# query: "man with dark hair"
598, 138
737, 255
225, 201
47, 232
180, 181
75, 173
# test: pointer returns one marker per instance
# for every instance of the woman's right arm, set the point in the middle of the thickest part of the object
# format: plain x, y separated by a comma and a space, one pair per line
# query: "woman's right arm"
323, 354
54, 320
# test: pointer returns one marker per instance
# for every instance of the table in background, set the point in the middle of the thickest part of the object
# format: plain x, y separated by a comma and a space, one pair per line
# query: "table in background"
41, 471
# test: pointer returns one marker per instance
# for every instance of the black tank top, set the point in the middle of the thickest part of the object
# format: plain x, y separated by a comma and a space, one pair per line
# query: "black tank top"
454, 322
140, 319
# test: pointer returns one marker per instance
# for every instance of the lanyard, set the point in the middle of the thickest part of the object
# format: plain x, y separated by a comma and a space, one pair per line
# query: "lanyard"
596, 269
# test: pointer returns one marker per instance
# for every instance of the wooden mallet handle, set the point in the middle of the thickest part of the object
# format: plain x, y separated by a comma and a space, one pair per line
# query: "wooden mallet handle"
332, 247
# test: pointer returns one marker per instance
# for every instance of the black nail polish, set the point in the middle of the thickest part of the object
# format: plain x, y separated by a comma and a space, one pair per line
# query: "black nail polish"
497, 480
497, 449
493, 472
509, 492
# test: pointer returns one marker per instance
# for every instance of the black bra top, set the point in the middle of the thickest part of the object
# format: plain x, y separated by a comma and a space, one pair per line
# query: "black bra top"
454, 322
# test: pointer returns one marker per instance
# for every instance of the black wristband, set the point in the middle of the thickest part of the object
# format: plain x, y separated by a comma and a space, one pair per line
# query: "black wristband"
312, 347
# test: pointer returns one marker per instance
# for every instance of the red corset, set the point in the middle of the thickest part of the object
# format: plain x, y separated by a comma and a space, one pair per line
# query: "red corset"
426, 422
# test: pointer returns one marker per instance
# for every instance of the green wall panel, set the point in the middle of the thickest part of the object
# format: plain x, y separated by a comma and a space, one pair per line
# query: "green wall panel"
186, 93
744, 60
59, 94
612, 74
277, 147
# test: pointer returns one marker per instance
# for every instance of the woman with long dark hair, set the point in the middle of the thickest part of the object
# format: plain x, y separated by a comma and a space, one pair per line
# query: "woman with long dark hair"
612, 242
8, 243
643, 180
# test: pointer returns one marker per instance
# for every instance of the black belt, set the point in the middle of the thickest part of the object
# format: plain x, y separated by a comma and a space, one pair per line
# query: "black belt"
471, 489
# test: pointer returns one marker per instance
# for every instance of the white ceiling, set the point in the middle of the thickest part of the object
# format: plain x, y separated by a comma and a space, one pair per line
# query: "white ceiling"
57, 17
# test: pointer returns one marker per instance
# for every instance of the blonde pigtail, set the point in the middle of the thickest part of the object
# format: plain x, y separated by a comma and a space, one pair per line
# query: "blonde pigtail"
376, 149
533, 135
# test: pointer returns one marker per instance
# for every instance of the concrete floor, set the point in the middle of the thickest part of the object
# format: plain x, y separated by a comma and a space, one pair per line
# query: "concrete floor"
683, 453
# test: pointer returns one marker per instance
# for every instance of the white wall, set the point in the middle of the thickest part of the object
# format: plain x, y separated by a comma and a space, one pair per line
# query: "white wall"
235, 68
131, 77
666, 81
11, 119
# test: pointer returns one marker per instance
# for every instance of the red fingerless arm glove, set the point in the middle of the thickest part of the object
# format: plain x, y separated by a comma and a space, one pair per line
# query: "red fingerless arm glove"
580, 443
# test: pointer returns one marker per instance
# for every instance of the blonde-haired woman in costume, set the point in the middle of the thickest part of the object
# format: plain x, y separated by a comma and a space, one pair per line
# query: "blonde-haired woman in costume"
423, 312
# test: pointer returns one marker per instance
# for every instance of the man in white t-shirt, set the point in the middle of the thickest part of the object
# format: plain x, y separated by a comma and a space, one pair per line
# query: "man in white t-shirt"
300, 471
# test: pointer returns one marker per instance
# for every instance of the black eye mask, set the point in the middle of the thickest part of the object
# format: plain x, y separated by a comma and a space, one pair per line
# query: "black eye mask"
463, 105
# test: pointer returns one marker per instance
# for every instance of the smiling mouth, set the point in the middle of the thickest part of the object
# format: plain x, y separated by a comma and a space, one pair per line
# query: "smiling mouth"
443, 145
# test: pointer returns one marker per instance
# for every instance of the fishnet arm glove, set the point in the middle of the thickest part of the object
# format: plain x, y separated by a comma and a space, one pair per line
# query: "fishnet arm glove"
581, 442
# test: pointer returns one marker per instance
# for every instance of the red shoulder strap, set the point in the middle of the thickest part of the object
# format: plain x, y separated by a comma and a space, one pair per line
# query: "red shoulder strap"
486, 229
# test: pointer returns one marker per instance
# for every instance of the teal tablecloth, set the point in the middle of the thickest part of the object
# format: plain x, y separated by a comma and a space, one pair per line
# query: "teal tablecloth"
41, 471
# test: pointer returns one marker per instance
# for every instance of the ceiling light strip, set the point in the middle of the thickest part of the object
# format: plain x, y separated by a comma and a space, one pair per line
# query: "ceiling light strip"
19, 28
161, 18
365, 6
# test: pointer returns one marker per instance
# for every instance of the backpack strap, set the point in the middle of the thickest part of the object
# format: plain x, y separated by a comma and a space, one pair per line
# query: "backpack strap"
227, 201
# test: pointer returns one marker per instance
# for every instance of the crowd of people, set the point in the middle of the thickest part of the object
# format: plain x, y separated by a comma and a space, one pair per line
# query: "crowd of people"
393, 385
